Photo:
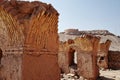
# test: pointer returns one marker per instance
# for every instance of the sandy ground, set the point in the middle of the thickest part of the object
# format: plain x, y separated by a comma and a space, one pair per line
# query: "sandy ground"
110, 75
104, 75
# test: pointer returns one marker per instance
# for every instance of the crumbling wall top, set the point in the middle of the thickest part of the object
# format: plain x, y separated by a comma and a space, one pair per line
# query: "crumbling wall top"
29, 25
85, 43
25, 10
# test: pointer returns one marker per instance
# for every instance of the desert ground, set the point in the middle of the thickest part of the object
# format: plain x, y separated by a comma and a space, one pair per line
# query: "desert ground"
104, 75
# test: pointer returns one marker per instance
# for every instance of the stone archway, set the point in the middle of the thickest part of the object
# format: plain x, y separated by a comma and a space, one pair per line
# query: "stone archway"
71, 58
11, 41
31, 39
86, 48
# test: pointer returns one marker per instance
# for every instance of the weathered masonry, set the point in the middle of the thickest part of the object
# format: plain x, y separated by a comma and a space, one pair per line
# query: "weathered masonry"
28, 41
85, 54
102, 55
114, 60
86, 48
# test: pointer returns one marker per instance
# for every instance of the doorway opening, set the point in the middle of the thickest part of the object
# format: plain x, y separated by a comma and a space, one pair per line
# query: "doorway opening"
72, 58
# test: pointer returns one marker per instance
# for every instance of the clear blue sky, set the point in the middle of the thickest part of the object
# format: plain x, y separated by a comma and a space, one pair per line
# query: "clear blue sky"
88, 14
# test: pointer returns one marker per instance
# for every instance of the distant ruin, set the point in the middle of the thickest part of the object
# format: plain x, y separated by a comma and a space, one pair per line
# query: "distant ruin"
29, 41
82, 32
87, 49
107, 51
83, 45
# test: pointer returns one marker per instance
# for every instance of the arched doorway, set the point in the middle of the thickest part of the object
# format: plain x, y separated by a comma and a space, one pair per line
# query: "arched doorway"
72, 59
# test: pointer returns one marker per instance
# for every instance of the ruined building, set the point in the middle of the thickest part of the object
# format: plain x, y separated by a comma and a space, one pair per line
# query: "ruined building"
102, 55
86, 48
106, 58
28, 41
92, 32
85, 54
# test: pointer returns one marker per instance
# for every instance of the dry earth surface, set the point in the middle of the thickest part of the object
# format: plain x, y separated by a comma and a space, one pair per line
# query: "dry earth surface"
104, 75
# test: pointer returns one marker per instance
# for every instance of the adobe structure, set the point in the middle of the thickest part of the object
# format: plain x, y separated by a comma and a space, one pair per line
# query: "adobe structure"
29, 41
86, 48
102, 60
105, 56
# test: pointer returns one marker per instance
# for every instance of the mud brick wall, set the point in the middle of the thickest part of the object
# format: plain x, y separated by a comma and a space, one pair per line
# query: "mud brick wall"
65, 55
114, 59
86, 48
62, 57
102, 60
87, 56
29, 29
62, 62
11, 67
85, 65
42, 67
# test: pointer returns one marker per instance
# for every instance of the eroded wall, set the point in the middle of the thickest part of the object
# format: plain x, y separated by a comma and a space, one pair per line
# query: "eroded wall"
87, 56
102, 55
11, 67
86, 48
29, 29
114, 60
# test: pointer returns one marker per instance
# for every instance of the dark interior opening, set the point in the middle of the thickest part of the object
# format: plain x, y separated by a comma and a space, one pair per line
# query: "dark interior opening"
72, 57
0, 55
102, 58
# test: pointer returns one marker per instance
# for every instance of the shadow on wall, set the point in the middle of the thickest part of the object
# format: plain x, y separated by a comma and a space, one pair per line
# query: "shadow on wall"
72, 57
104, 78
114, 60
0, 62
